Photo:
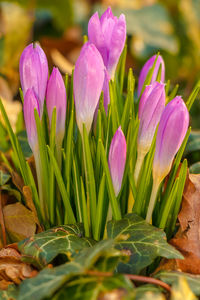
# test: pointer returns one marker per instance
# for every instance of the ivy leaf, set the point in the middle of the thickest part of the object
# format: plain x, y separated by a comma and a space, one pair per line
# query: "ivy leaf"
143, 241
42, 248
4, 177
171, 277
10, 294
22, 137
181, 290
148, 292
115, 287
48, 281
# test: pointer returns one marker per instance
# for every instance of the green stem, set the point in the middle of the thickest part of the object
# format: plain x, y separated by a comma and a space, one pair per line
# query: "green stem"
40, 183
138, 166
152, 201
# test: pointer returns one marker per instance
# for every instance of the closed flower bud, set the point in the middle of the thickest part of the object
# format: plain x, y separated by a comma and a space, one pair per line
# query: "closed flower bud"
108, 34
145, 70
30, 103
117, 159
33, 68
151, 106
171, 132
56, 97
106, 93
88, 83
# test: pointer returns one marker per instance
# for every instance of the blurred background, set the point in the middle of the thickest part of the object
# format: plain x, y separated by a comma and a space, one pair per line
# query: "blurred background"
170, 26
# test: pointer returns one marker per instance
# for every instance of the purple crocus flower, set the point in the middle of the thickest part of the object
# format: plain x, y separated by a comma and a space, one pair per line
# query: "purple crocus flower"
106, 93
151, 106
30, 103
171, 132
88, 83
146, 68
56, 97
117, 159
108, 34
33, 68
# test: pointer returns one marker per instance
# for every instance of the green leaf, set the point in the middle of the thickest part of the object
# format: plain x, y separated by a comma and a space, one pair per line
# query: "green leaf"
195, 168
10, 294
193, 145
145, 242
4, 177
193, 95
181, 290
22, 138
69, 216
90, 288
171, 277
44, 247
90, 179
49, 280
148, 292
4, 144
18, 155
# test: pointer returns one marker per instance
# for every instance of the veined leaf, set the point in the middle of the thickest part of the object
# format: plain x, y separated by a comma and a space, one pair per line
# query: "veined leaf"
171, 277
48, 281
10, 294
115, 287
145, 242
4, 177
45, 246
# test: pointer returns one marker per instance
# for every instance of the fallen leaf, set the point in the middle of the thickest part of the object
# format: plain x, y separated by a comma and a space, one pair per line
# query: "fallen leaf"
19, 221
17, 180
187, 239
30, 204
12, 269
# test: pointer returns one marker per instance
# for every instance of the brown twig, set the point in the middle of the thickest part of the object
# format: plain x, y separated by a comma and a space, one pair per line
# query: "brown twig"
3, 229
134, 278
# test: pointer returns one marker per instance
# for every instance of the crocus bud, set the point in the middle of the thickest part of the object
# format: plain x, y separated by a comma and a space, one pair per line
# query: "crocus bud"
146, 68
106, 93
171, 132
88, 83
56, 97
151, 106
108, 34
30, 103
33, 68
117, 159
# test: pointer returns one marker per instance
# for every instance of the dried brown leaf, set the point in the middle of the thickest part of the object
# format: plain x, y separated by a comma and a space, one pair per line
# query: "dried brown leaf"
12, 269
187, 239
17, 180
19, 221
30, 204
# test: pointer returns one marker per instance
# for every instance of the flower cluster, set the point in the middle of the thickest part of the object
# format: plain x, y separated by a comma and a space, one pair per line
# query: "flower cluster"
95, 71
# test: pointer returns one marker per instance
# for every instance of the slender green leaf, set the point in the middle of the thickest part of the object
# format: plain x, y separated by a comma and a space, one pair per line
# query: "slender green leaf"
69, 215
90, 180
